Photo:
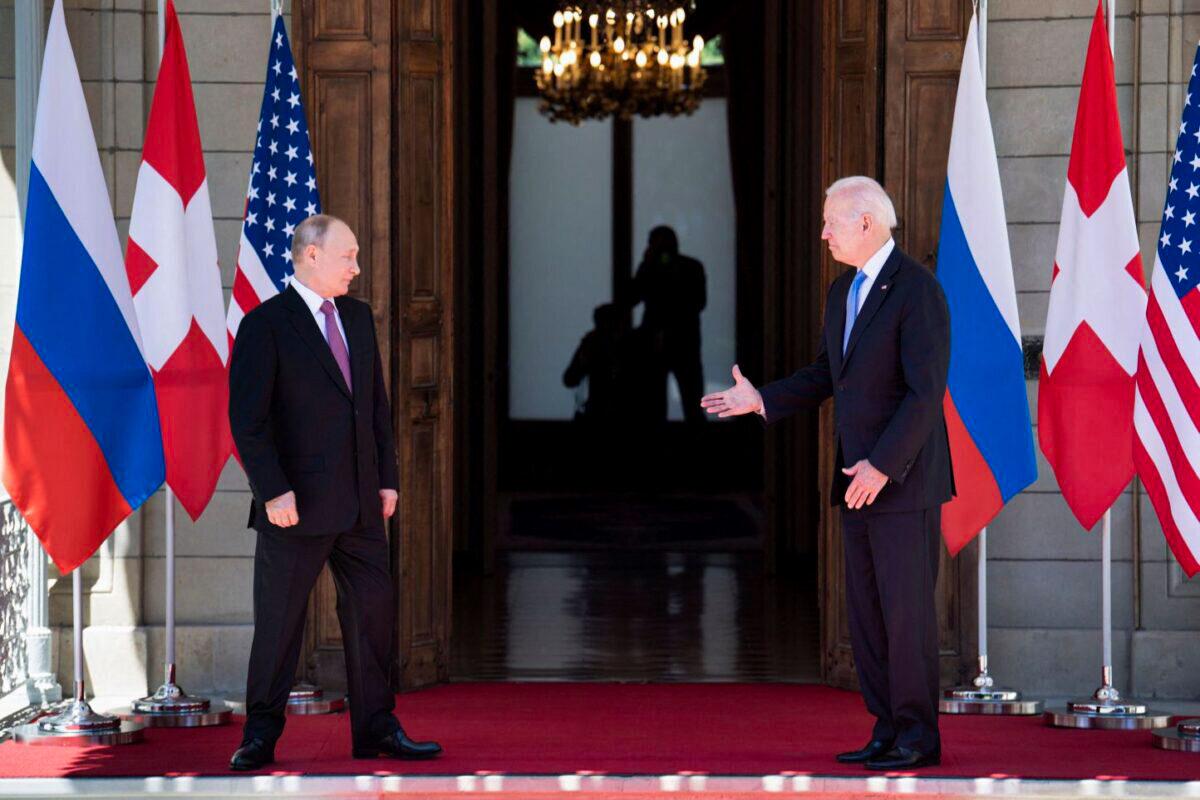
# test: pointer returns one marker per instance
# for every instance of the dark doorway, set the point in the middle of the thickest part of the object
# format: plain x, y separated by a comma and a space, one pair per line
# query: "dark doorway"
415, 105
626, 542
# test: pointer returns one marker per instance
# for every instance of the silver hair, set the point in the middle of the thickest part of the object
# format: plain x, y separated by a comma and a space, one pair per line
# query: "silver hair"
311, 231
866, 196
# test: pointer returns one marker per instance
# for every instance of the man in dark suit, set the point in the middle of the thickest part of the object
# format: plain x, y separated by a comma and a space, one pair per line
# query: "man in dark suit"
311, 421
883, 357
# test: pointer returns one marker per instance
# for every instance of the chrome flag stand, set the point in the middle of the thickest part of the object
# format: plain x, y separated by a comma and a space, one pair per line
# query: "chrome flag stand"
1105, 710
982, 696
75, 724
1184, 737
305, 698
170, 706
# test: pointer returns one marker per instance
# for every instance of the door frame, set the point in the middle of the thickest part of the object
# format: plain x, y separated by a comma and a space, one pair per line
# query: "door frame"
378, 77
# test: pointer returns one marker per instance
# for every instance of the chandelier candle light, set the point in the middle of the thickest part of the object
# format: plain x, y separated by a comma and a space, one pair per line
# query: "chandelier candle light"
636, 59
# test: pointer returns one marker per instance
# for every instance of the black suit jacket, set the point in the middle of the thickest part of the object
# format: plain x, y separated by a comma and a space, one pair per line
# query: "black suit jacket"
887, 388
296, 424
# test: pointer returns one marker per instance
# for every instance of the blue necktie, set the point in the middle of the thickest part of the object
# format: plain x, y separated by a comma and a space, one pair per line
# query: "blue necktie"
852, 307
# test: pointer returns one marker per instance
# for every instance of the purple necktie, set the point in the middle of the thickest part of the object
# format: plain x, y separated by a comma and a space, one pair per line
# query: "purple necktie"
336, 343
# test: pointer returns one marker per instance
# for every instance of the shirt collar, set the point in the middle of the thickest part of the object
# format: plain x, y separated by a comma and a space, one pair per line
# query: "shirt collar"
875, 263
310, 298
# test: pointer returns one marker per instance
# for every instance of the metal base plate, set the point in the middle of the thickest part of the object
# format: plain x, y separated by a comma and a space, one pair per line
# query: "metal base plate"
126, 733
186, 705
1182, 738
1063, 717
975, 694
217, 714
1008, 708
327, 703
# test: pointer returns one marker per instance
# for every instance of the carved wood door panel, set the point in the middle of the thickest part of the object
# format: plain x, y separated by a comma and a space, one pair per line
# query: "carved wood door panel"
376, 78
891, 73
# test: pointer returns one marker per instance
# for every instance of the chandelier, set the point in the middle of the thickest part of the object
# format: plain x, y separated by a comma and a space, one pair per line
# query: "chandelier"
634, 58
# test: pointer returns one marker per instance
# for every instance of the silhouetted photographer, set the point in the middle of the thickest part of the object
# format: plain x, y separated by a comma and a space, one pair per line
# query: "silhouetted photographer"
672, 287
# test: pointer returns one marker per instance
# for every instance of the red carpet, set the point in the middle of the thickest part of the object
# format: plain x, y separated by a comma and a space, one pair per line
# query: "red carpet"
717, 729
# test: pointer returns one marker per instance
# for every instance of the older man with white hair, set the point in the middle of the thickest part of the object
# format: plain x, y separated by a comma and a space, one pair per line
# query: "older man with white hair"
884, 357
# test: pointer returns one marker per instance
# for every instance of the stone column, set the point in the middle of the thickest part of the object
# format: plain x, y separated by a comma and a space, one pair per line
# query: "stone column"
42, 685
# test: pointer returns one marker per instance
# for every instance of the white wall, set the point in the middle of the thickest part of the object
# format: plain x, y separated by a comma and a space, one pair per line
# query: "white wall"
560, 253
561, 239
682, 177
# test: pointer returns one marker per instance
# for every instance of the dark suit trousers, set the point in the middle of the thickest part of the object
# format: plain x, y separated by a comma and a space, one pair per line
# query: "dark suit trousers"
285, 570
891, 572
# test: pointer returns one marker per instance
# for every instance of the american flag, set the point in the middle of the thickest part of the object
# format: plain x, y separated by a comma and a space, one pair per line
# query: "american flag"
282, 191
1167, 400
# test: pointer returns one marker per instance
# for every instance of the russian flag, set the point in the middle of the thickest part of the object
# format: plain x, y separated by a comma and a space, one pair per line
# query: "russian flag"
987, 409
82, 444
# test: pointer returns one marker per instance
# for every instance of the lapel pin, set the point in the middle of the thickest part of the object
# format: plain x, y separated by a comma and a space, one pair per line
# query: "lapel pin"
883, 288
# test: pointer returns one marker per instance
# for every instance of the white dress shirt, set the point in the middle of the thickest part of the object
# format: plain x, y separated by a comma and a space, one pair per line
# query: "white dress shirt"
314, 301
871, 269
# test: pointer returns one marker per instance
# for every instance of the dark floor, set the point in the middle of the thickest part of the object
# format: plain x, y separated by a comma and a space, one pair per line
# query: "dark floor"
635, 616
677, 522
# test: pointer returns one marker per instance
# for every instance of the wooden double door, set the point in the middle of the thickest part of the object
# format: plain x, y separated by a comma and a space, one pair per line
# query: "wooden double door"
852, 87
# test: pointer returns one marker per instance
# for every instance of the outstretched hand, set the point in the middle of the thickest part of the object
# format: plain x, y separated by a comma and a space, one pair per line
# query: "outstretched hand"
741, 398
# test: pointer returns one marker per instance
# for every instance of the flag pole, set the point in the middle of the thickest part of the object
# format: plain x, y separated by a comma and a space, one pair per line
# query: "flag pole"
983, 17
170, 706
1105, 709
1106, 589
305, 698
76, 723
983, 681
77, 715
73, 722
1106, 526
981, 696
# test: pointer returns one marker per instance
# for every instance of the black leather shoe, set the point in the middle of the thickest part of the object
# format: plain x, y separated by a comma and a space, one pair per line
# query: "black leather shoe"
398, 745
875, 747
253, 754
901, 758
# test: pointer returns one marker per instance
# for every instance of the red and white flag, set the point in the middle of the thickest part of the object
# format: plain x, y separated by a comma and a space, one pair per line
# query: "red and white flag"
1097, 306
171, 260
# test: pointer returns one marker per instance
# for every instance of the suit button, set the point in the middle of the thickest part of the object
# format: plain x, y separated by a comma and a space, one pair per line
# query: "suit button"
841, 387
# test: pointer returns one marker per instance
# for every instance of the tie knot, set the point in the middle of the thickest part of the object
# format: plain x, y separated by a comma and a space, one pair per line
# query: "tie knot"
327, 308
858, 279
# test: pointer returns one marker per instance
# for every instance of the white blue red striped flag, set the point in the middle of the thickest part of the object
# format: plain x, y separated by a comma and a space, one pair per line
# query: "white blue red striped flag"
82, 444
987, 410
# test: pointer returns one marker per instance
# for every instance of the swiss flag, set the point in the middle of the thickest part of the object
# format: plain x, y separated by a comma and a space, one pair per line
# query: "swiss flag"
171, 260
1097, 306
